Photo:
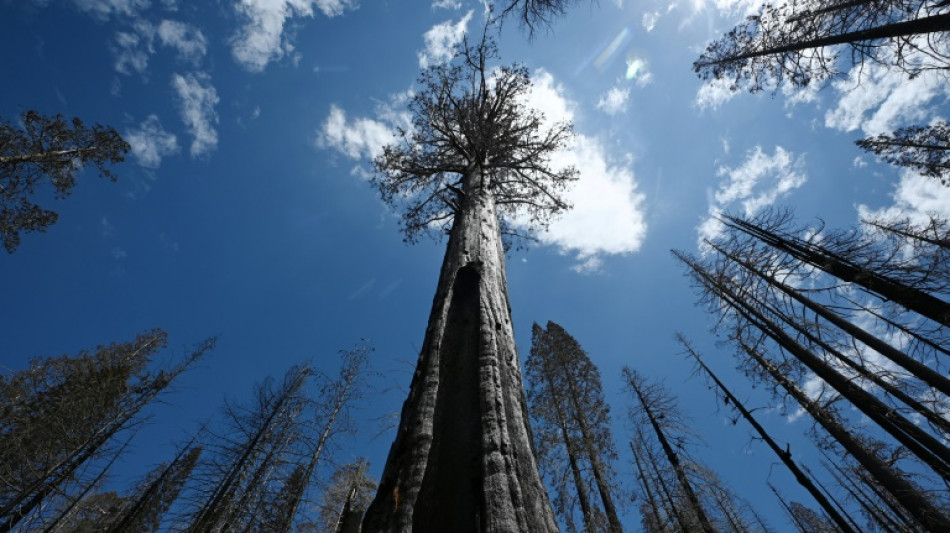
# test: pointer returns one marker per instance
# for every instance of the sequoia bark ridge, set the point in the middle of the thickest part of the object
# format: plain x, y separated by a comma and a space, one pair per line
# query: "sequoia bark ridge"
462, 459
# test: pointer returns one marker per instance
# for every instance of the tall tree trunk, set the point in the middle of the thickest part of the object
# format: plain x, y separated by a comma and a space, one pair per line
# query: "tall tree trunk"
596, 464
925, 446
652, 504
840, 267
784, 455
923, 372
462, 459
909, 496
673, 458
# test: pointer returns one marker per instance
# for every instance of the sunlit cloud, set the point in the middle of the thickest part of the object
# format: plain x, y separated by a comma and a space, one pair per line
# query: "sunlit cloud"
614, 101
261, 39
150, 142
197, 98
441, 41
752, 186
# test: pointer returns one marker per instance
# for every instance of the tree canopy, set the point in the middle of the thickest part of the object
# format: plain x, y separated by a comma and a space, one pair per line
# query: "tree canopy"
42, 148
470, 116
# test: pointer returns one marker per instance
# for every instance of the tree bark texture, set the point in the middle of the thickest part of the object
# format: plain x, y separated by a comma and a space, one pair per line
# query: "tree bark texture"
462, 459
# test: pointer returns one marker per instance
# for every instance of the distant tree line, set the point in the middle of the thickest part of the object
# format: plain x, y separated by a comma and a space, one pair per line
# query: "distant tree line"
65, 421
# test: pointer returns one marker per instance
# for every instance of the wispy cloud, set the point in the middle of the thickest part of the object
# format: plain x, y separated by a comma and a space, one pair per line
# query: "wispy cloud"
714, 93
261, 39
103, 9
197, 98
752, 186
360, 138
441, 41
187, 40
446, 4
150, 142
614, 101
915, 197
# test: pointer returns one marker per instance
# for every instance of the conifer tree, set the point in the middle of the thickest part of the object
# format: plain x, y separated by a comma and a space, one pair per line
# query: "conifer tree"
572, 422
47, 148
462, 457
796, 41
63, 412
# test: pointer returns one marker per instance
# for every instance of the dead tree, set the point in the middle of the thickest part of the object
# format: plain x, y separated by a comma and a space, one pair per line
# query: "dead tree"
63, 413
926, 149
651, 400
567, 404
243, 462
47, 148
784, 455
797, 41
462, 458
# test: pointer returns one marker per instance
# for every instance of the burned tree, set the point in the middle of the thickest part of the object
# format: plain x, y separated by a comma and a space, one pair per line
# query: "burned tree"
42, 148
345, 500
763, 318
572, 425
63, 414
796, 42
784, 455
462, 458
925, 149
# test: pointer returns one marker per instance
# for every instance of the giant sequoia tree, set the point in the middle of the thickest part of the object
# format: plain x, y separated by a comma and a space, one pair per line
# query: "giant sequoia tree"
462, 458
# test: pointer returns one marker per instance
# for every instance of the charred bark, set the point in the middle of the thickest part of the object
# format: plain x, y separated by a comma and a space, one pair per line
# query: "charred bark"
462, 459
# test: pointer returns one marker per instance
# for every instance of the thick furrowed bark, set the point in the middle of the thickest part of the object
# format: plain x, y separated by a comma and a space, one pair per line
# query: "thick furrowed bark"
462, 458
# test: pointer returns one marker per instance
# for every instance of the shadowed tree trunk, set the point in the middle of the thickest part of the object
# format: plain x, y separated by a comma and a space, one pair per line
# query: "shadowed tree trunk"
462, 460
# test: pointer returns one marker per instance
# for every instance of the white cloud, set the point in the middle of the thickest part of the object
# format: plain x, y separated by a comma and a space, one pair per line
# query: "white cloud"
441, 41
752, 186
446, 4
188, 40
714, 93
878, 99
614, 101
360, 139
261, 39
649, 20
150, 142
133, 48
103, 9
638, 70
914, 197
608, 214
197, 98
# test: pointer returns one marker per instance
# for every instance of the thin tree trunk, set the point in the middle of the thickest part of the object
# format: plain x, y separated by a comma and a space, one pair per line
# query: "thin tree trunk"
595, 463
932, 24
784, 455
462, 459
651, 500
921, 371
911, 498
675, 462
826, 260
571, 454
922, 444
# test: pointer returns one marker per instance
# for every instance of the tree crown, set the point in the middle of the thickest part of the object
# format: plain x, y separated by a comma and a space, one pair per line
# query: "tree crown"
470, 119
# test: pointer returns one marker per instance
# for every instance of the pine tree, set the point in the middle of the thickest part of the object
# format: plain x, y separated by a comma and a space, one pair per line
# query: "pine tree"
63, 412
796, 41
925, 149
572, 421
346, 498
42, 148
462, 458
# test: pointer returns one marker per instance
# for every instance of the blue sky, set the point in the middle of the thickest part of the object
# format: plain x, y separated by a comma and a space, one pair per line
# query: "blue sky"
244, 209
